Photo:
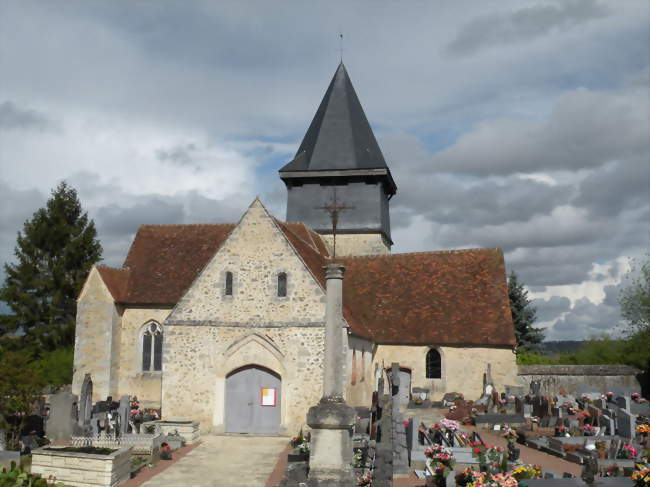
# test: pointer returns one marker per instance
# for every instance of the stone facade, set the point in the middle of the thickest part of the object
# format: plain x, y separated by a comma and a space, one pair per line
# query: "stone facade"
209, 334
348, 244
95, 337
462, 367
576, 379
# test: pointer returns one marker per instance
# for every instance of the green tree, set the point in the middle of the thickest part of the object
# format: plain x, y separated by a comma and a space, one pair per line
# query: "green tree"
20, 387
54, 254
635, 299
524, 315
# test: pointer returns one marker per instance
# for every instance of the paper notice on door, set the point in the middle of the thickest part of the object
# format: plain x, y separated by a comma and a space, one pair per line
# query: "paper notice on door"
268, 396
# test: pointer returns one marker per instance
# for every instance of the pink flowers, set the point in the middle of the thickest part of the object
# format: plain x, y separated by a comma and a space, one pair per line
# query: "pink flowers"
450, 424
628, 451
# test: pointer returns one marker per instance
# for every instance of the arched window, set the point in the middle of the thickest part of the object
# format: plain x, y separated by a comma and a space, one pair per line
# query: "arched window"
282, 284
228, 287
434, 364
152, 339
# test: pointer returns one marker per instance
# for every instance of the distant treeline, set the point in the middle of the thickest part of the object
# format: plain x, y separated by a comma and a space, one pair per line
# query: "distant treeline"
566, 346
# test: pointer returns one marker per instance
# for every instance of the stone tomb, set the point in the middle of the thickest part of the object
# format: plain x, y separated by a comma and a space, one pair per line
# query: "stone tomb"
83, 469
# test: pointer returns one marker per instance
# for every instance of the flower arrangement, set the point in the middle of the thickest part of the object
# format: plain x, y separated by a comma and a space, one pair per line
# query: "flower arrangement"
417, 400
485, 479
561, 431
588, 430
527, 472
364, 479
609, 395
441, 460
357, 459
165, 451
628, 451
613, 471
635, 396
534, 419
490, 457
450, 424
301, 442
644, 429
641, 477
467, 477
510, 435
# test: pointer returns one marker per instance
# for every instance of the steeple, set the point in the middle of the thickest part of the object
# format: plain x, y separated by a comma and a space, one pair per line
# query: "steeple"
340, 151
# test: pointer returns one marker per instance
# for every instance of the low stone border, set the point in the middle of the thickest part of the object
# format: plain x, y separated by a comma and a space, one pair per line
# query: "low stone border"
83, 469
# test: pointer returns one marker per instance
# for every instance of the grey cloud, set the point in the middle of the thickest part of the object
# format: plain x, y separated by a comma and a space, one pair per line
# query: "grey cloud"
587, 319
14, 117
552, 308
622, 184
523, 24
180, 154
586, 129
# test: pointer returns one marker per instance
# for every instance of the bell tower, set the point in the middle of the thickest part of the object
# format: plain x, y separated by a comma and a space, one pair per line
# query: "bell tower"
339, 160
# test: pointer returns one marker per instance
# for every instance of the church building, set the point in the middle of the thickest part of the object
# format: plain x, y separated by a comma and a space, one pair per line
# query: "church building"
224, 323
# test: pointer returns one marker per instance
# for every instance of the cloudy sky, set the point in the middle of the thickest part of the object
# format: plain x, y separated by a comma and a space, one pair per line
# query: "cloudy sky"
516, 124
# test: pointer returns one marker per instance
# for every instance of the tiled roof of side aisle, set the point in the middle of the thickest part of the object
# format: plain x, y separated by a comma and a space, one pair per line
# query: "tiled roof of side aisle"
450, 297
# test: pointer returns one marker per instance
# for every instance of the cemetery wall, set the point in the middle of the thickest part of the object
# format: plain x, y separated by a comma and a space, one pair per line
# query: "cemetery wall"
360, 380
462, 367
131, 379
95, 338
358, 244
197, 360
576, 379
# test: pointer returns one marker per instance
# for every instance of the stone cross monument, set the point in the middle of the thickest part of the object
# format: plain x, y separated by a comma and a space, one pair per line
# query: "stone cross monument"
331, 420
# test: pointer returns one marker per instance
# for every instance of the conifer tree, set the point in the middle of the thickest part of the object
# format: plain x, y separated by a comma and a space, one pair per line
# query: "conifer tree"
523, 316
54, 253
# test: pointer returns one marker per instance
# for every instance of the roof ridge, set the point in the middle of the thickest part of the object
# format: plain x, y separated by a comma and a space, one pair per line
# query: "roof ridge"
429, 252
185, 224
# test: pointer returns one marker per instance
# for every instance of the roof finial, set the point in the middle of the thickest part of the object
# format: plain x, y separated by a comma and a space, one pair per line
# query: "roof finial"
341, 46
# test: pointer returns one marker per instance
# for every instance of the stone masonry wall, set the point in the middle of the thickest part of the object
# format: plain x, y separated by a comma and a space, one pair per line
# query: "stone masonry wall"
194, 377
462, 367
358, 244
360, 378
575, 379
209, 334
97, 317
131, 379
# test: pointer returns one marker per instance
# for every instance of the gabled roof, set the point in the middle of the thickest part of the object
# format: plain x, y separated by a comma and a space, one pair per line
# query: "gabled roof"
449, 298
339, 137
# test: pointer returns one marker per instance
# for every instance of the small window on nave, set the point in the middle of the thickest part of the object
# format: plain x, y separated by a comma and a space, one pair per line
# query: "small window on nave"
282, 284
152, 340
434, 364
228, 287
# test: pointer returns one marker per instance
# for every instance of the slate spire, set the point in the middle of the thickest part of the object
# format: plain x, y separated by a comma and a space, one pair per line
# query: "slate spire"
339, 155
339, 137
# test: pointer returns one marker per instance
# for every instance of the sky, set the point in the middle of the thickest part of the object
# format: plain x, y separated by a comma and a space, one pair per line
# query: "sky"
519, 124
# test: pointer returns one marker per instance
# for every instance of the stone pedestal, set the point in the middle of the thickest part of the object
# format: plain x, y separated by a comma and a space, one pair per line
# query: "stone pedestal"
331, 420
331, 443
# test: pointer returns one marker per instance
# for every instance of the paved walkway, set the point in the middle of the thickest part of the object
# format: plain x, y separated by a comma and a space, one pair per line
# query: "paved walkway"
224, 461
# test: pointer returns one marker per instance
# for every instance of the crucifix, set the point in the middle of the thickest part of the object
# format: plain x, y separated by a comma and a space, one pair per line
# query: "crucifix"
333, 209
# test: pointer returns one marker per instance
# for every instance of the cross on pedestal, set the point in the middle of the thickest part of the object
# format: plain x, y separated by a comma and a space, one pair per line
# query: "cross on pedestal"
333, 209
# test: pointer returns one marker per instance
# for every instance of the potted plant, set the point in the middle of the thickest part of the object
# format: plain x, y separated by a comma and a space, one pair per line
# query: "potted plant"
165, 451
628, 452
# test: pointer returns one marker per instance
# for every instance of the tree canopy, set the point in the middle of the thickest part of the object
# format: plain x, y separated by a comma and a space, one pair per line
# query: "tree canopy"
524, 315
54, 253
635, 298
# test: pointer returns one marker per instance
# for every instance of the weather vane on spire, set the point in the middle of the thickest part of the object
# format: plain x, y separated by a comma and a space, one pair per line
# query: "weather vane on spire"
334, 209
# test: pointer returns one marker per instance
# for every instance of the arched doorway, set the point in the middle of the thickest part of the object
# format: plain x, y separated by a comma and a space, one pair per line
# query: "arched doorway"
253, 397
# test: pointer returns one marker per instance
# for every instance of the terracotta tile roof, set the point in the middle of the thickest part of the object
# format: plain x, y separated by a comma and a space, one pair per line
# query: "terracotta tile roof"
451, 297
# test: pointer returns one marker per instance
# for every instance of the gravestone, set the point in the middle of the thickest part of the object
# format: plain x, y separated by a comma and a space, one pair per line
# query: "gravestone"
519, 405
514, 390
623, 402
528, 410
85, 406
125, 412
535, 387
62, 419
626, 424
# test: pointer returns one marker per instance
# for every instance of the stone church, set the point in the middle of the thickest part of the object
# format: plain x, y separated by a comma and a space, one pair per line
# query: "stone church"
224, 323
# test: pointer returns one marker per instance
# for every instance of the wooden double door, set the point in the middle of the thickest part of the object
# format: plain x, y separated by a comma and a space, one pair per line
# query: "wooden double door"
253, 397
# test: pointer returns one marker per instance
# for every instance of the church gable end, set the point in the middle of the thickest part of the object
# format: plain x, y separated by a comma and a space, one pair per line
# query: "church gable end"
239, 285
